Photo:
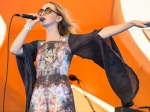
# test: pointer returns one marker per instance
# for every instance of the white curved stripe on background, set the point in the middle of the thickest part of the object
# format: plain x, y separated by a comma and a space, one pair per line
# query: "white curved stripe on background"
138, 10
2, 30
98, 101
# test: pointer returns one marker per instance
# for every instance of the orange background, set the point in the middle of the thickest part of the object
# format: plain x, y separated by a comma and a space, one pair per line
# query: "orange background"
89, 15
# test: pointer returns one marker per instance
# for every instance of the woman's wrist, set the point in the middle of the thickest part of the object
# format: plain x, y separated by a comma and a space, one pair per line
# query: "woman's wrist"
132, 23
27, 27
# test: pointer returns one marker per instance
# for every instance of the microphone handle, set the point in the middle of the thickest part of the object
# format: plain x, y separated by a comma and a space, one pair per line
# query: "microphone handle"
30, 17
26, 16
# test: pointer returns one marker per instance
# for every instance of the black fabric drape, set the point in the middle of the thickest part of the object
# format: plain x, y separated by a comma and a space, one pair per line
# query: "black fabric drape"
27, 69
121, 77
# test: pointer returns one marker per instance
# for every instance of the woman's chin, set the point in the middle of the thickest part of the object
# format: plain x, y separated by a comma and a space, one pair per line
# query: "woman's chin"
44, 24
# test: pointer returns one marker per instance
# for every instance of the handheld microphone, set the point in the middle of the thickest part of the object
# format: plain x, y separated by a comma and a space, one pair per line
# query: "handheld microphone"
29, 16
73, 78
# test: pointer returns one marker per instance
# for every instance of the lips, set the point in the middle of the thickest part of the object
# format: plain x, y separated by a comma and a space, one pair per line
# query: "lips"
42, 18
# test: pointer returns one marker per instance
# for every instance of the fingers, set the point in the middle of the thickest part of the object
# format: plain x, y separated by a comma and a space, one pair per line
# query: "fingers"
32, 22
34, 15
145, 22
142, 24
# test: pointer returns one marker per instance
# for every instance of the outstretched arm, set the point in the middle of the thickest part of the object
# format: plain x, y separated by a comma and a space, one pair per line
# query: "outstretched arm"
113, 30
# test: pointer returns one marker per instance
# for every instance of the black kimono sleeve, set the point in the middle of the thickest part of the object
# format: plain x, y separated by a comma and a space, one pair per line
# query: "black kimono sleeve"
121, 77
27, 69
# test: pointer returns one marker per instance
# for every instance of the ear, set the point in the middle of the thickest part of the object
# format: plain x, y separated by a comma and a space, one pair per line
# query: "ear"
59, 18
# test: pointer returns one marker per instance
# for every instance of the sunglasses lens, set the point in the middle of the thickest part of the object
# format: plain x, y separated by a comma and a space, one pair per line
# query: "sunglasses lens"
48, 10
40, 12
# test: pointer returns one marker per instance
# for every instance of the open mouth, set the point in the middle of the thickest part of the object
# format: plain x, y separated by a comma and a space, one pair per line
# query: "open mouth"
42, 18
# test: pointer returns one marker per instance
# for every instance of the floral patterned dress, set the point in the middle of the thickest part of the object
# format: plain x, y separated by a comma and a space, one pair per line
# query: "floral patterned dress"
52, 91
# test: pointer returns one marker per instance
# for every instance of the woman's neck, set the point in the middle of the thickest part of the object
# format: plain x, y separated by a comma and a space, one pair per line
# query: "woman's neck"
52, 34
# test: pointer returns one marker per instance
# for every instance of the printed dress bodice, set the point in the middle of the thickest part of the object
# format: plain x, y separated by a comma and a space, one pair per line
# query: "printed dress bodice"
52, 91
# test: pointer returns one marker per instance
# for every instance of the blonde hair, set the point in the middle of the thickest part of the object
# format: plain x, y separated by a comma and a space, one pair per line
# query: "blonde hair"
66, 26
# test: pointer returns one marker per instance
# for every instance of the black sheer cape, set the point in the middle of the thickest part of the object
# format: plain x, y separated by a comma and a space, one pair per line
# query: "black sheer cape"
103, 52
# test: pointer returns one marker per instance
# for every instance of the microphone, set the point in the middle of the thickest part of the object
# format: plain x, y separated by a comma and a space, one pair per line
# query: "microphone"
73, 78
29, 16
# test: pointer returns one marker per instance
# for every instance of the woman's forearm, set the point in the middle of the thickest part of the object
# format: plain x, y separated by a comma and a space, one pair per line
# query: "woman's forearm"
113, 30
16, 47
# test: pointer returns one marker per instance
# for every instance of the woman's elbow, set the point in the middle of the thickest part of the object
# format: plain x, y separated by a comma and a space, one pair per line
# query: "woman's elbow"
103, 35
13, 51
